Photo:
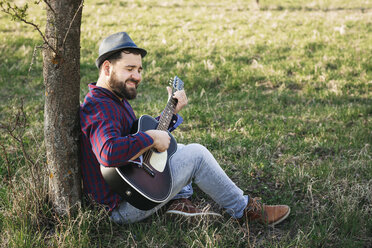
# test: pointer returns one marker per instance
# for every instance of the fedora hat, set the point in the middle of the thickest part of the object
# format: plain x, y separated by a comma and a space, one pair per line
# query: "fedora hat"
115, 43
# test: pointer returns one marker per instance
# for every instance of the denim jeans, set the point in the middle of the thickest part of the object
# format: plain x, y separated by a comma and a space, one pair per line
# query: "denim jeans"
192, 163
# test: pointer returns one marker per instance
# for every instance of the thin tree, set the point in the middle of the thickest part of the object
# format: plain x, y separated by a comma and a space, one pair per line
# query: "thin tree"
61, 72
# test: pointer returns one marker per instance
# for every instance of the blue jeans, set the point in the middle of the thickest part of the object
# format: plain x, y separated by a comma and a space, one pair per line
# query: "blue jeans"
192, 163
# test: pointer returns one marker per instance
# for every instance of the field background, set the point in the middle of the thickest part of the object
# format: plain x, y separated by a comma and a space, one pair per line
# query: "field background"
280, 92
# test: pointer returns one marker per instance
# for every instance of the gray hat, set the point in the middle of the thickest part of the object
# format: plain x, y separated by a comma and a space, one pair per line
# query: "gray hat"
115, 43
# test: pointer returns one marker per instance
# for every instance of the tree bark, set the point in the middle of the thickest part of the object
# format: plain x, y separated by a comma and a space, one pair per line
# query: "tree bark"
61, 71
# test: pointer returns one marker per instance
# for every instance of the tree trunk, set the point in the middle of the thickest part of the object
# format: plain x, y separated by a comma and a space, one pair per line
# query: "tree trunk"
61, 71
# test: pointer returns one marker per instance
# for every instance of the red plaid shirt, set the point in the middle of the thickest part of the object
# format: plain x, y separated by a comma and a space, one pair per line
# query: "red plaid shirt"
105, 124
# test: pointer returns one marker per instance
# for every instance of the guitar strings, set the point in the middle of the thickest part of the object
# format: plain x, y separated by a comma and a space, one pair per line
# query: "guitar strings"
171, 105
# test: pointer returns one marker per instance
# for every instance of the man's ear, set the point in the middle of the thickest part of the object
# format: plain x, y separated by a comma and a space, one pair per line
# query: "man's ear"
106, 66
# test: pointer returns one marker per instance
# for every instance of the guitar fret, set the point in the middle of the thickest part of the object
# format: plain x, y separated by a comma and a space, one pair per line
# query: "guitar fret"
167, 115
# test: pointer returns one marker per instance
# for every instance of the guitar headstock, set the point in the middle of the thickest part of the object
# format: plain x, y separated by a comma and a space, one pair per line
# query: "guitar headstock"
177, 84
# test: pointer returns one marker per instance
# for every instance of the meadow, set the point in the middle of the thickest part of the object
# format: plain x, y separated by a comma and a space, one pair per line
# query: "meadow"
280, 92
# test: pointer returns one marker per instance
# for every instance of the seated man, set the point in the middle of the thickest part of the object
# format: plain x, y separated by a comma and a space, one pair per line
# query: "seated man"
106, 120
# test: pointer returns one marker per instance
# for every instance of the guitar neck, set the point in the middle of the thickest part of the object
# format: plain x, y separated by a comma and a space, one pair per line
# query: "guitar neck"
167, 115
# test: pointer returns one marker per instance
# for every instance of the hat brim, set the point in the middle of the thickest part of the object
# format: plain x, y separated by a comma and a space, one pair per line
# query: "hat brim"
105, 56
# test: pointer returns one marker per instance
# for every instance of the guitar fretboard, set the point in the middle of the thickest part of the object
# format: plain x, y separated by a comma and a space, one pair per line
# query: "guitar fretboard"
167, 115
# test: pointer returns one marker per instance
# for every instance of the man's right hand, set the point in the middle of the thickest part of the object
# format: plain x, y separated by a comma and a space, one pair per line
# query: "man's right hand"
161, 139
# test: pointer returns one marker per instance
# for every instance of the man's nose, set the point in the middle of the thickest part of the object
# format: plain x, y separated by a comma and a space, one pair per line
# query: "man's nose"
137, 76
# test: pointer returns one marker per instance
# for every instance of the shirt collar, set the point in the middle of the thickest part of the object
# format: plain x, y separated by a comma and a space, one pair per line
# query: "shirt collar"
94, 87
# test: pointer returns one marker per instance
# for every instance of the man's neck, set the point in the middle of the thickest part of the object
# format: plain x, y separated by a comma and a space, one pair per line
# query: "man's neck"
104, 84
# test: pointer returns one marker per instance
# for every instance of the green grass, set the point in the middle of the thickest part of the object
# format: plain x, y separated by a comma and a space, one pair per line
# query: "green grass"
280, 92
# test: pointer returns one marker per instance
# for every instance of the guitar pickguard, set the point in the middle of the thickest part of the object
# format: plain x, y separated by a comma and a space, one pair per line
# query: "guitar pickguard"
158, 160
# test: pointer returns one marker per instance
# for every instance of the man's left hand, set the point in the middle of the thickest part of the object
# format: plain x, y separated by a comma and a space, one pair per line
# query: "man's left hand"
181, 98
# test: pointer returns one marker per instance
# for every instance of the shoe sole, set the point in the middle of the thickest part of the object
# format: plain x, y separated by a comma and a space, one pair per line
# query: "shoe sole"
283, 218
192, 214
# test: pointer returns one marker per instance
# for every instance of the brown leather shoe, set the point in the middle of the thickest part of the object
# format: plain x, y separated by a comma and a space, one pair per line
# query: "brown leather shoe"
266, 214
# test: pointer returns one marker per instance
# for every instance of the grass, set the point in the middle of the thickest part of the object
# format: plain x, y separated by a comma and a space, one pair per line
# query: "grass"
280, 92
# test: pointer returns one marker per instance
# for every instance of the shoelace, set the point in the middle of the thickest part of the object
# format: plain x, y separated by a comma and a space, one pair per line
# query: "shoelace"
255, 205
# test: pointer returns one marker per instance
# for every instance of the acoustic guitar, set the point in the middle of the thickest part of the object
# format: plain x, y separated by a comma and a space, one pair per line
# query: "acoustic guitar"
148, 183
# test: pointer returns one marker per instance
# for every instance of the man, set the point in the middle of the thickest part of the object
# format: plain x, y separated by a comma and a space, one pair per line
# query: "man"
106, 119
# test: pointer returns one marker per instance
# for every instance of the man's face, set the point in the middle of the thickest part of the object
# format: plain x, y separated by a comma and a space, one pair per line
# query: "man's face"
125, 75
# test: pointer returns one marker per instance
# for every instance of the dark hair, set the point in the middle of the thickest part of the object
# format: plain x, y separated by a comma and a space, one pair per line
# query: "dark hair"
117, 55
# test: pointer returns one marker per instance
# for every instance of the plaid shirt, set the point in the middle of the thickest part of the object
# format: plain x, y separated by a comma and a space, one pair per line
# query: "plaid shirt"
105, 124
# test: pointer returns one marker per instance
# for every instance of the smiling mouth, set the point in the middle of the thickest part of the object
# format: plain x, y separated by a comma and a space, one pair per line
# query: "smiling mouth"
132, 84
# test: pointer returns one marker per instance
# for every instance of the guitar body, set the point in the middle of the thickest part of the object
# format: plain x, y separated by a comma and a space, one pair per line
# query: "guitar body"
143, 188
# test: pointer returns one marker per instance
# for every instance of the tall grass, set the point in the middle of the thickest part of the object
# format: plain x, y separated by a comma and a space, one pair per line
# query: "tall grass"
279, 91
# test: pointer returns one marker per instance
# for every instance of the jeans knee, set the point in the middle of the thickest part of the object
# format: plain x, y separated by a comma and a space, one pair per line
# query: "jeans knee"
198, 152
198, 149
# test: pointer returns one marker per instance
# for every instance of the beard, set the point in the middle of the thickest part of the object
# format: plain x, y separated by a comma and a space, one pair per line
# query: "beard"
121, 89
